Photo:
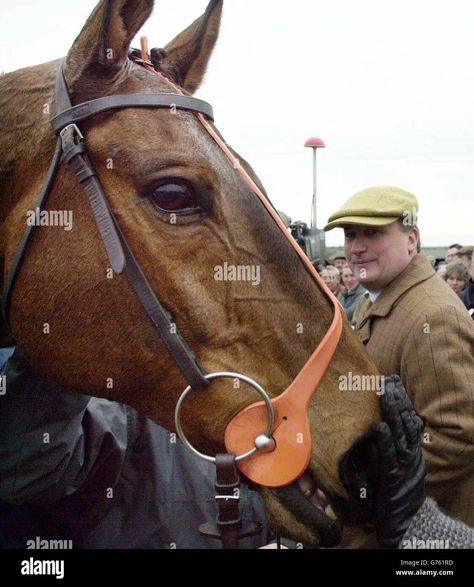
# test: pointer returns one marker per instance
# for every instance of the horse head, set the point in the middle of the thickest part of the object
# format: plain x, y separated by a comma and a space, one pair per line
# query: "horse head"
213, 254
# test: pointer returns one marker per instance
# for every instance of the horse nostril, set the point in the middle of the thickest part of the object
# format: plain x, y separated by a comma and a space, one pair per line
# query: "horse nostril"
357, 473
358, 468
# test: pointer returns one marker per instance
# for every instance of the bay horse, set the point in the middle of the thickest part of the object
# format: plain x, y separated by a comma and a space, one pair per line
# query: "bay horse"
184, 211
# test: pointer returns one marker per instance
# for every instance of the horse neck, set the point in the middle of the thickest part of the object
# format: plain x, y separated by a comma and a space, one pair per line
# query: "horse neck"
26, 140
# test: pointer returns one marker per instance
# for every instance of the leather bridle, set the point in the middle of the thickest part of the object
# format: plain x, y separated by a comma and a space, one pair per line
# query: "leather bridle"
71, 145
283, 419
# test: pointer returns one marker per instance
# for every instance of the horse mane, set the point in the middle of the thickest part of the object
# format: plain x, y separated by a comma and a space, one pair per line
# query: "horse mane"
25, 142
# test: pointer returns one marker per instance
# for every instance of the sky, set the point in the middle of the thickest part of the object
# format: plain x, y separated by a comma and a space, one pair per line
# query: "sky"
388, 86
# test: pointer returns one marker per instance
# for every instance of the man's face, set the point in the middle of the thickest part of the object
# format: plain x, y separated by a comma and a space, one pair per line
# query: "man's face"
377, 255
339, 263
331, 279
348, 278
451, 255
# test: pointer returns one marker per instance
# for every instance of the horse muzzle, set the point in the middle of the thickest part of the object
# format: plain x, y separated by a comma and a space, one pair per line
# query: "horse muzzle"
357, 470
322, 512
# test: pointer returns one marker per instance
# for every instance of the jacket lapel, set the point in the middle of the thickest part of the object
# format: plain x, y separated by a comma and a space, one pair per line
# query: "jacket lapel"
419, 269
363, 325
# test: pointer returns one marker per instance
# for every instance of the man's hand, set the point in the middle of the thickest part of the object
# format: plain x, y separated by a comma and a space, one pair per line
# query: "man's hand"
401, 468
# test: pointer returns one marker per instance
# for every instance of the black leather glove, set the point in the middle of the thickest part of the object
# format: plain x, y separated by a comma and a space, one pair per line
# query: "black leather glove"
401, 467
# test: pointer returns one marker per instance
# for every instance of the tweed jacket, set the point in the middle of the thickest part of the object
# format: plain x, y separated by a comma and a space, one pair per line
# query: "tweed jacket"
419, 329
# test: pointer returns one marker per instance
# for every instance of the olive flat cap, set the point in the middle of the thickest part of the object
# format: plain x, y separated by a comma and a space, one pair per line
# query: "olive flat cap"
376, 206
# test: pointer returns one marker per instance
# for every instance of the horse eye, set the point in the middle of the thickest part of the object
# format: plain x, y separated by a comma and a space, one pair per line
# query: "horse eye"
175, 197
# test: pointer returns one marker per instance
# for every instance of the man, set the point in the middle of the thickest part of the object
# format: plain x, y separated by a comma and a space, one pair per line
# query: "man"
340, 262
352, 294
452, 252
332, 278
416, 328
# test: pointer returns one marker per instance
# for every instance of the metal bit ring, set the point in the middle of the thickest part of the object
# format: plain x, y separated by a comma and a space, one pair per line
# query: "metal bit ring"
227, 374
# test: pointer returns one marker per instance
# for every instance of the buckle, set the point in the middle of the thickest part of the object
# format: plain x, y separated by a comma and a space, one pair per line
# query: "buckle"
71, 137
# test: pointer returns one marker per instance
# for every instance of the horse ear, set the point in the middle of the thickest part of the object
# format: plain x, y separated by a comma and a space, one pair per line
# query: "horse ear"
101, 49
187, 55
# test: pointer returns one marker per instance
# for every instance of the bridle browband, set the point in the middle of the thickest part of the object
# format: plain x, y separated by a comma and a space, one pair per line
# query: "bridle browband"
283, 418
81, 112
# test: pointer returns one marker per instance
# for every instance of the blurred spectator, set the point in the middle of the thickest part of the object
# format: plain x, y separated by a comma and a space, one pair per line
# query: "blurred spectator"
467, 297
353, 291
441, 270
340, 262
317, 265
431, 259
332, 278
452, 252
457, 276
464, 255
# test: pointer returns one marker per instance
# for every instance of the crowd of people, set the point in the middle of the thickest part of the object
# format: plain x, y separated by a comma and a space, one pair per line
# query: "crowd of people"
457, 270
